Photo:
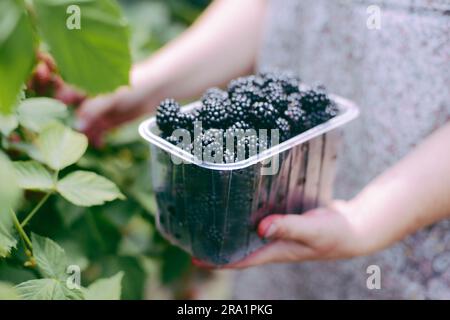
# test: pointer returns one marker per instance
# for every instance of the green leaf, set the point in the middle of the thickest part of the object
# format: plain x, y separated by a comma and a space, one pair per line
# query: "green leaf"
8, 292
87, 189
60, 146
33, 176
16, 52
9, 194
8, 124
7, 241
36, 113
95, 57
50, 257
47, 289
105, 289
29, 149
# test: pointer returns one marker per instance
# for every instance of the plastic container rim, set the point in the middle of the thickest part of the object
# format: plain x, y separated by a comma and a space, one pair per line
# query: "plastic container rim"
348, 112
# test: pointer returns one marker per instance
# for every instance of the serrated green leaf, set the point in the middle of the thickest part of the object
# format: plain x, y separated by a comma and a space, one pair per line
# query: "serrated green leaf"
47, 289
7, 241
105, 289
50, 257
16, 52
60, 146
9, 194
8, 292
87, 189
33, 176
8, 124
95, 57
36, 113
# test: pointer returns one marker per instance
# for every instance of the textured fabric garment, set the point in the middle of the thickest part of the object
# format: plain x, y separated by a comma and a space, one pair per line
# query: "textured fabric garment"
400, 77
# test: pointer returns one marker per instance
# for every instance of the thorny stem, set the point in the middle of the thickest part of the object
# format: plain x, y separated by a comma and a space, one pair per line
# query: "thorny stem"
19, 228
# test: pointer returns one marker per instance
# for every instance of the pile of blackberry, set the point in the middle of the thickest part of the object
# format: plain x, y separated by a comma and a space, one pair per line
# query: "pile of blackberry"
268, 100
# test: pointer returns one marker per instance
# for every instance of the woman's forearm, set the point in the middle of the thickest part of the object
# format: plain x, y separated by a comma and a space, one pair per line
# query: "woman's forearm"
411, 195
221, 45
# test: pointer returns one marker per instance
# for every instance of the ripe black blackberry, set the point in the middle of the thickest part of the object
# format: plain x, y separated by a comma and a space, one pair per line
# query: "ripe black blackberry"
213, 113
250, 87
246, 147
315, 100
167, 116
276, 96
289, 82
263, 115
214, 95
245, 82
186, 120
240, 125
240, 108
295, 116
294, 99
209, 136
284, 129
320, 116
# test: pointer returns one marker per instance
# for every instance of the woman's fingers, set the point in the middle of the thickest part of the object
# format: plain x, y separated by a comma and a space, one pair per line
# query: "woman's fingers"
306, 228
275, 252
92, 110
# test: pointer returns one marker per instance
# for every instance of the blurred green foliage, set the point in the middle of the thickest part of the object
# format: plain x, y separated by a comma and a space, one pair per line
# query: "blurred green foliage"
120, 235
155, 22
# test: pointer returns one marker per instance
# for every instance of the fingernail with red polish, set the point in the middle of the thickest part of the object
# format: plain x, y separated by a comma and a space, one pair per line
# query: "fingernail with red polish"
270, 232
266, 224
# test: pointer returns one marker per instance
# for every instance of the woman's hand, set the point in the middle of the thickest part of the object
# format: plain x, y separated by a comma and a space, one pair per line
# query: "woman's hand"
320, 234
98, 115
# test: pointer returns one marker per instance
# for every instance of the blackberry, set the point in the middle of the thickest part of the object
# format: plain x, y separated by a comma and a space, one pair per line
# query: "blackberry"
288, 81
186, 120
320, 116
247, 86
213, 113
214, 95
284, 129
209, 136
245, 82
212, 145
294, 99
246, 147
240, 108
167, 116
295, 117
275, 96
263, 115
315, 100
240, 125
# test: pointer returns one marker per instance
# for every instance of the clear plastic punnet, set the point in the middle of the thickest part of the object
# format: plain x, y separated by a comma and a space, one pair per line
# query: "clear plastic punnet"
212, 210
